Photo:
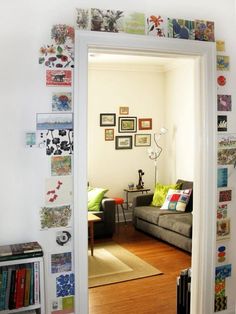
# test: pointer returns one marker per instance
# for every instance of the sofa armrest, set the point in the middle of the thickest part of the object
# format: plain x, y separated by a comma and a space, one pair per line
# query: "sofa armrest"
142, 200
108, 206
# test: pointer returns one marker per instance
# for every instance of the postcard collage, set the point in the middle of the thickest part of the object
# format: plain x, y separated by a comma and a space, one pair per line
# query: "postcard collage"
54, 134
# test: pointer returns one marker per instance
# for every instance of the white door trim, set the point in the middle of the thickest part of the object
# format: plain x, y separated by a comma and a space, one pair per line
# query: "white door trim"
202, 297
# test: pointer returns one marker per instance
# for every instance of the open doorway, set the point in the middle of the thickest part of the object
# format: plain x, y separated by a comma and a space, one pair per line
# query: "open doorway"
204, 177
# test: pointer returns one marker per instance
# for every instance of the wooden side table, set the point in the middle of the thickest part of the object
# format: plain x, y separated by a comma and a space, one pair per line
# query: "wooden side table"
91, 219
127, 191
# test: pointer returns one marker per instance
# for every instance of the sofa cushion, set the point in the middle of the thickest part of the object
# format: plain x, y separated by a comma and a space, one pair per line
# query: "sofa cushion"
95, 196
177, 200
161, 192
178, 222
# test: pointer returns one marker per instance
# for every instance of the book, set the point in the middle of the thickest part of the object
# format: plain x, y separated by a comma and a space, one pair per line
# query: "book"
27, 286
27, 249
31, 298
11, 304
3, 288
20, 256
36, 283
8, 286
20, 287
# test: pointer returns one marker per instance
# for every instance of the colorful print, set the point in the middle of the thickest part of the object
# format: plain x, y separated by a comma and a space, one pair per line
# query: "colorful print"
222, 211
226, 156
227, 141
224, 103
60, 165
58, 77
65, 285
223, 271
58, 190
54, 56
62, 101
62, 33
61, 262
223, 229
134, 23
30, 139
106, 20
204, 30
182, 29
219, 287
220, 303
54, 121
222, 177
221, 254
222, 123
55, 217
82, 19
220, 45
222, 63
59, 142
156, 26
225, 196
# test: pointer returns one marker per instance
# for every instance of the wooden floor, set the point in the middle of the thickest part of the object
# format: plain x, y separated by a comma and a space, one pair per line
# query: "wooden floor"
152, 295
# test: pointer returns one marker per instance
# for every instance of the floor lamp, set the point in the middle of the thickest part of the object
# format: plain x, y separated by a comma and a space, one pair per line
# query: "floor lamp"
154, 153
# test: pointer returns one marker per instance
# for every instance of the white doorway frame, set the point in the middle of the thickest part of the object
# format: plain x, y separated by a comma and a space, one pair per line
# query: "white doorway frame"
205, 191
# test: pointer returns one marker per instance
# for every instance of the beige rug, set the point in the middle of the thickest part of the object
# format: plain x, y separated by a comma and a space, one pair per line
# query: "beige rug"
112, 263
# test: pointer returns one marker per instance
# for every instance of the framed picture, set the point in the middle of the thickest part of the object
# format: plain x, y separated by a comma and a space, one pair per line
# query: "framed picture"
124, 142
109, 134
142, 140
145, 124
107, 119
124, 110
127, 124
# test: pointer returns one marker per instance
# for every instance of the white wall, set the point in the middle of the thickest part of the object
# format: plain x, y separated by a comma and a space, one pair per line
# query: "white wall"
24, 26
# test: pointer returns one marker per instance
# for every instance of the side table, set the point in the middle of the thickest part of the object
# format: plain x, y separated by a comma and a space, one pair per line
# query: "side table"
127, 191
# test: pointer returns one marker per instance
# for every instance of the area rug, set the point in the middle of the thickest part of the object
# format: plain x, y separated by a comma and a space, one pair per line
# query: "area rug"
111, 263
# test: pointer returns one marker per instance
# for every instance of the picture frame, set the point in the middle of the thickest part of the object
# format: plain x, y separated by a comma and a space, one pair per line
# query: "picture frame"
127, 124
141, 140
107, 119
124, 110
124, 142
109, 134
145, 124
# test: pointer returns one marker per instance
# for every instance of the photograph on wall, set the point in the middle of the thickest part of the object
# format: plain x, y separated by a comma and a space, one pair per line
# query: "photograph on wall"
124, 142
127, 125
57, 56
58, 77
204, 30
55, 217
30, 139
225, 195
222, 211
62, 101
223, 229
145, 124
65, 285
220, 45
156, 25
222, 63
224, 102
109, 134
83, 19
59, 142
182, 29
107, 119
134, 23
141, 140
58, 190
61, 262
60, 165
54, 121
222, 123
221, 253
63, 237
107, 20
124, 110
222, 177
62, 34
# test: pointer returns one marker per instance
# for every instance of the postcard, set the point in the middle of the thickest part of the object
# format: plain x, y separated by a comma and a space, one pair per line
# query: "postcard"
222, 63
222, 177
62, 101
222, 123
107, 20
226, 156
156, 25
219, 287
58, 190
227, 141
220, 45
61, 262
220, 303
83, 19
60, 165
180, 28
223, 271
58, 142
63, 237
65, 285
58, 77
134, 23
225, 195
30, 139
204, 30
57, 56
54, 121
62, 34
222, 211
223, 229
55, 217
224, 102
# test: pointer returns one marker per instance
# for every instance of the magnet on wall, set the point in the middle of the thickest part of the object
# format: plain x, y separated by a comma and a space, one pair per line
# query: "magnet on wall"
221, 80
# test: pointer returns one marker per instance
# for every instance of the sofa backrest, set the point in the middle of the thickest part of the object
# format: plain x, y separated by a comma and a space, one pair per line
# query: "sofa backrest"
187, 185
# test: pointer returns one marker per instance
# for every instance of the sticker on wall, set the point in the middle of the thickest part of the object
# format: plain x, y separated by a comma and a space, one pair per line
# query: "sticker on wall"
222, 63
221, 253
182, 29
223, 229
58, 77
54, 121
57, 56
222, 123
156, 25
134, 23
83, 19
223, 271
65, 285
58, 190
204, 30
61, 262
30, 139
224, 102
63, 238
222, 177
219, 287
220, 45
59, 142
60, 165
222, 211
221, 80
62, 34
225, 196
54, 217
63, 305
220, 303
107, 20
62, 101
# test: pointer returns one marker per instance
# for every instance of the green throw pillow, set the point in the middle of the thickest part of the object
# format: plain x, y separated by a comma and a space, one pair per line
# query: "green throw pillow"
161, 192
95, 196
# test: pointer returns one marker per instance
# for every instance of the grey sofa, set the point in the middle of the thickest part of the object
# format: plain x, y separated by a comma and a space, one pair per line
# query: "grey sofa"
170, 226
105, 227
